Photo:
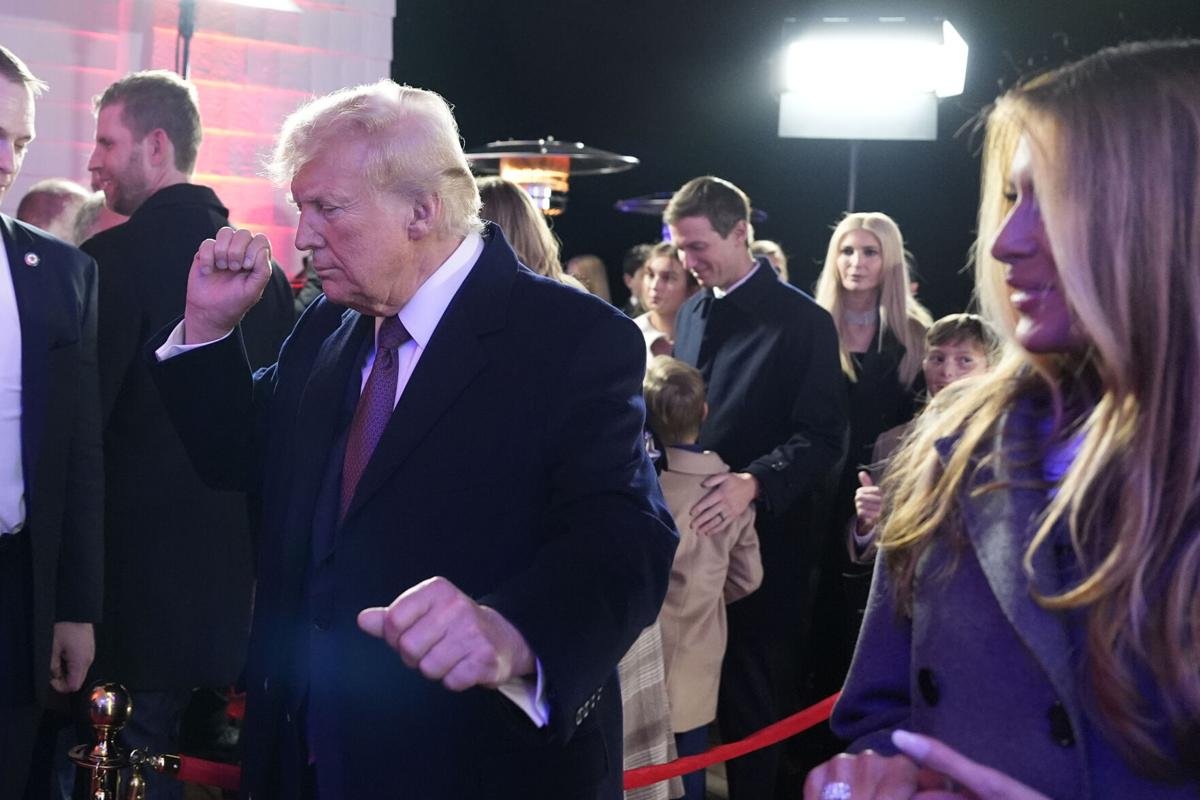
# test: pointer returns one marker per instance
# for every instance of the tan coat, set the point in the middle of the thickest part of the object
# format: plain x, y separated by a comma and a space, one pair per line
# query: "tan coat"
708, 572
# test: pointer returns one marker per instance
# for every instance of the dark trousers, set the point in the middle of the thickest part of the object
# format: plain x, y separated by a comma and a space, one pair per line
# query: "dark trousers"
690, 743
18, 713
758, 686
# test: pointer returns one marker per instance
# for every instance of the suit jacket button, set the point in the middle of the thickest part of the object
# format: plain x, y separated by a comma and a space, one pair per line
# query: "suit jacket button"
579, 716
927, 683
1060, 725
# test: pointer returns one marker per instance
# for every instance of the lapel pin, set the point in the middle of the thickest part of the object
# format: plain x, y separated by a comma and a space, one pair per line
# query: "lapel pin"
32, 260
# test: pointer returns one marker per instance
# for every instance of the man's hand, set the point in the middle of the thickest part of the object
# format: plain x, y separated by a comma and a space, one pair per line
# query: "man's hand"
868, 502
71, 652
729, 495
450, 638
228, 276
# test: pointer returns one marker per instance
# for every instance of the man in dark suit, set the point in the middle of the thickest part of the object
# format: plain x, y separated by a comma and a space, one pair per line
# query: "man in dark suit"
462, 531
776, 401
179, 564
51, 484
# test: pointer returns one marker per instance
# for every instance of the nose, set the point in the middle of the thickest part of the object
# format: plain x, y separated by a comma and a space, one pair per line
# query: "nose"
307, 237
93, 163
689, 259
1015, 239
8, 157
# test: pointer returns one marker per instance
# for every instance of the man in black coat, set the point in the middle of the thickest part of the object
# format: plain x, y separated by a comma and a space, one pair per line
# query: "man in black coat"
462, 531
769, 355
51, 484
179, 561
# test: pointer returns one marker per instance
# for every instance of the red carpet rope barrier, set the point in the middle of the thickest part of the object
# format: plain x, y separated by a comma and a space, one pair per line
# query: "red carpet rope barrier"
228, 776
209, 773
775, 732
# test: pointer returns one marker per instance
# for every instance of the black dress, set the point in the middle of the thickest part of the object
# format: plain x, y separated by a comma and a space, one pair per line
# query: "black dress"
876, 402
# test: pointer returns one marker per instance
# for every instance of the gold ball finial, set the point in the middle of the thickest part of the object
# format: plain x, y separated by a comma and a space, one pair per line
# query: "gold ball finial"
110, 705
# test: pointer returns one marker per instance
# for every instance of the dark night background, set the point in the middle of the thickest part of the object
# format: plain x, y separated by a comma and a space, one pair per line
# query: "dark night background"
690, 89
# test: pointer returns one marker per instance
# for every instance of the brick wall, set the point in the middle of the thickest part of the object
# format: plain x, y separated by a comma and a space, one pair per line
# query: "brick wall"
251, 68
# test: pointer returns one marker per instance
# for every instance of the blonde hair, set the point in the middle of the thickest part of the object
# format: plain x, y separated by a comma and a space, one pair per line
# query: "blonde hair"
1116, 161
899, 311
414, 147
508, 205
770, 249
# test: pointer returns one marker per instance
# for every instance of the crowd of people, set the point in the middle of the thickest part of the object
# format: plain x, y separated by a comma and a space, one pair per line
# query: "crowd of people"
458, 528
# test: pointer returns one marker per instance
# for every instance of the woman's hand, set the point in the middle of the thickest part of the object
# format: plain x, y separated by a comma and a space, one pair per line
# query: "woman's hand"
969, 779
863, 776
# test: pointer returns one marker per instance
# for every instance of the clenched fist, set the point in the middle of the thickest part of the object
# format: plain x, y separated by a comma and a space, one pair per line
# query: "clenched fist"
228, 276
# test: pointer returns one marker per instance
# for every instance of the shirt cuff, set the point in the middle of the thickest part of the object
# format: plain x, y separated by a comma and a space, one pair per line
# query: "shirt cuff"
529, 696
174, 345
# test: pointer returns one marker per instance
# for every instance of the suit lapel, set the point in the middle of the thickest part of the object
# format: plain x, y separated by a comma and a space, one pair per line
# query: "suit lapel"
318, 419
688, 350
453, 358
28, 286
1000, 524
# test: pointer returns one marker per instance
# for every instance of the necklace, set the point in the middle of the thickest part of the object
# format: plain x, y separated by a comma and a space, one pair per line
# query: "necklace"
861, 318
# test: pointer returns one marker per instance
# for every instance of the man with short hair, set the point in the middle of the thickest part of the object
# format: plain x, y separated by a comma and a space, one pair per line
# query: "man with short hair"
179, 571
462, 530
53, 205
769, 356
51, 484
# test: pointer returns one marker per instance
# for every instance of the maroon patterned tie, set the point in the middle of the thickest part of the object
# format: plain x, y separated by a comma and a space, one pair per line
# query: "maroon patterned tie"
374, 409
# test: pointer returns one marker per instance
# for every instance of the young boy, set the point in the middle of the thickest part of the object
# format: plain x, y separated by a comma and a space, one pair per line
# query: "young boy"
709, 571
957, 346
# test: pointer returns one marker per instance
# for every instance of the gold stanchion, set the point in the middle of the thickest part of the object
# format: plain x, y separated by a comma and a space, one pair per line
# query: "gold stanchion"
98, 768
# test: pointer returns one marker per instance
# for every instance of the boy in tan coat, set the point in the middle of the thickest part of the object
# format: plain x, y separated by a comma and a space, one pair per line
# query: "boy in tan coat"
709, 570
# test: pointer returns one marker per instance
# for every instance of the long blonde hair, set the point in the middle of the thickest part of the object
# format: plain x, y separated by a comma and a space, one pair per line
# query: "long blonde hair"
899, 311
1116, 162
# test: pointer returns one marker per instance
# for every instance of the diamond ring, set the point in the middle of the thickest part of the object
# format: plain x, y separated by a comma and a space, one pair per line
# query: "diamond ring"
838, 790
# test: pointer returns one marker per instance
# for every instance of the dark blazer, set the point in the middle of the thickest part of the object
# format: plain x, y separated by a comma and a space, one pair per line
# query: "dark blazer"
55, 286
513, 465
980, 664
178, 569
776, 400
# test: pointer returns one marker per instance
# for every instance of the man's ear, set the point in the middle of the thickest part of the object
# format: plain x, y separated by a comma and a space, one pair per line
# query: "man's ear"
427, 211
159, 149
740, 232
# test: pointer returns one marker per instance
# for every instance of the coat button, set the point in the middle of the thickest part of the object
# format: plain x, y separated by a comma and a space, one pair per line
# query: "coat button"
928, 686
579, 717
1060, 725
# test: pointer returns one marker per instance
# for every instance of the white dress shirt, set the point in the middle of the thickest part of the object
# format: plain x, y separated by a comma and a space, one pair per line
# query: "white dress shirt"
12, 474
420, 317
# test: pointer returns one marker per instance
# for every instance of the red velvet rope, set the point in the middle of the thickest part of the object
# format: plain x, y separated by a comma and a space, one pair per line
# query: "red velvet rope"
209, 773
775, 732
229, 776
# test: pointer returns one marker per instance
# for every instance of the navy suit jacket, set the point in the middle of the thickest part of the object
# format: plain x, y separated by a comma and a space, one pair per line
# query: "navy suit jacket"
55, 286
513, 466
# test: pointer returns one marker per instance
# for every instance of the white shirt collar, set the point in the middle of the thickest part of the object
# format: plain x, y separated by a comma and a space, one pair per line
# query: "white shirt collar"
424, 311
718, 292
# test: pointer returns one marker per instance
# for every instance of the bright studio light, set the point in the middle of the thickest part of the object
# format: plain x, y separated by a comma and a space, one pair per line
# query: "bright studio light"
869, 78
884, 59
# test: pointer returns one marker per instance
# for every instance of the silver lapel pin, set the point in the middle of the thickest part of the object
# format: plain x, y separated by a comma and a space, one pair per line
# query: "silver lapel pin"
32, 259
